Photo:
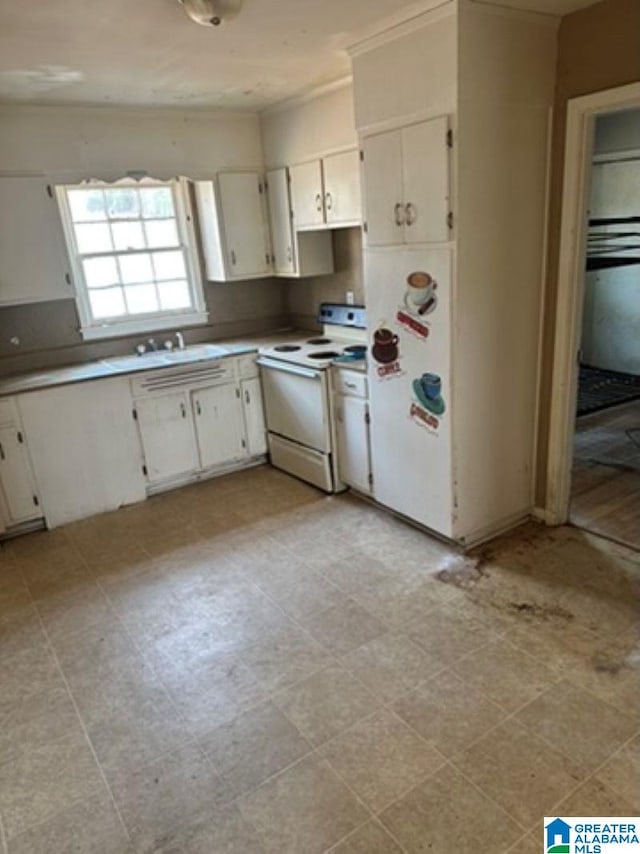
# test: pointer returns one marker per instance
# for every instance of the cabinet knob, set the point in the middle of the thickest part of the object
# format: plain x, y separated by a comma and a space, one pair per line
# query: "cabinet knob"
2, 456
411, 213
289, 254
328, 201
318, 202
233, 256
183, 410
198, 408
398, 213
247, 397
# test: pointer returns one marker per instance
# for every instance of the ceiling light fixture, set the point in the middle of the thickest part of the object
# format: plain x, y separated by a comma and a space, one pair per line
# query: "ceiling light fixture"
211, 13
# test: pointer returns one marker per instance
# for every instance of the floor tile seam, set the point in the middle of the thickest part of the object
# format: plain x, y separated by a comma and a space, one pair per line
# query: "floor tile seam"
541, 737
594, 696
375, 821
86, 734
488, 796
313, 754
590, 776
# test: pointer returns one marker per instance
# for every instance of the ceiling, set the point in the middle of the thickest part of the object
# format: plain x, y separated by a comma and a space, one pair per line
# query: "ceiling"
147, 52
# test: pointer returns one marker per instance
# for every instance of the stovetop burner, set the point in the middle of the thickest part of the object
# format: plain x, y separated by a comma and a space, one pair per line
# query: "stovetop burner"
324, 354
319, 341
287, 348
356, 348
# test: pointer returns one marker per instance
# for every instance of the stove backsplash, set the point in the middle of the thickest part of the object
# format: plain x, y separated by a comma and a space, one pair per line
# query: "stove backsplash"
305, 295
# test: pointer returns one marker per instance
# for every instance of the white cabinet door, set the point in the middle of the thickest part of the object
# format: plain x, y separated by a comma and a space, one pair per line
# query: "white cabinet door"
32, 253
307, 195
384, 194
241, 201
352, 436
426, 181
219, 424
85, 448
406, 184
280, 215
342, 188
168, 440
18, 484
254, 417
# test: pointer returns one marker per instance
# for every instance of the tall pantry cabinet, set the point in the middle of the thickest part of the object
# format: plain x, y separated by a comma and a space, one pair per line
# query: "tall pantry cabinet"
453, 114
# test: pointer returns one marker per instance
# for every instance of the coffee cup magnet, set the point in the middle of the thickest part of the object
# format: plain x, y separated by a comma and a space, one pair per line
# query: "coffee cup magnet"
428, 406
385, 351
420, 300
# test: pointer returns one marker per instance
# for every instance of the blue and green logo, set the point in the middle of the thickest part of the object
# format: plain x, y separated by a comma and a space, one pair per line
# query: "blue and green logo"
558, 833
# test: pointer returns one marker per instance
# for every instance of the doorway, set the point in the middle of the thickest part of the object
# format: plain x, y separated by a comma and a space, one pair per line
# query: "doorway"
594, 459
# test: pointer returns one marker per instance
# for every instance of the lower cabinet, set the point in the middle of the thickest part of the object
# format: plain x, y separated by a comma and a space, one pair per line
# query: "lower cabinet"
197, 421
18, 495
254, 420
352, 430
166, 431
219, 424
72, 451
84, 448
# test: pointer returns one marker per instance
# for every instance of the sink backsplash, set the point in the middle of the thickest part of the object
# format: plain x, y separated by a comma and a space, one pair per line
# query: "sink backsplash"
49, 336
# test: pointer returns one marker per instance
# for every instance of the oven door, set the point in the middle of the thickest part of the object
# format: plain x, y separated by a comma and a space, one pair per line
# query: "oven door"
296, 403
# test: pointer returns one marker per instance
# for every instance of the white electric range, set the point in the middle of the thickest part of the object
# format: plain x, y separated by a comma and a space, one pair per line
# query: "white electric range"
297, 394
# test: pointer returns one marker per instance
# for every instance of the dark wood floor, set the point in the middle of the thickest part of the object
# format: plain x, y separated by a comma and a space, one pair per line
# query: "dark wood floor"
605, 495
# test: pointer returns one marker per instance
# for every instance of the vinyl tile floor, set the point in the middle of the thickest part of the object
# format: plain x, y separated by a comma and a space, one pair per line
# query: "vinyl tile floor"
247, 665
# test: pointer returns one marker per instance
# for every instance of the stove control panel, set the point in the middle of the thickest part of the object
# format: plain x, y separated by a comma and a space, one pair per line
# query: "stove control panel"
339, 314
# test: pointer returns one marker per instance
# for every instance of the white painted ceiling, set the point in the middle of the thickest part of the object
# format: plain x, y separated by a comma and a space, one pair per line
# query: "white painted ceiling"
147, 52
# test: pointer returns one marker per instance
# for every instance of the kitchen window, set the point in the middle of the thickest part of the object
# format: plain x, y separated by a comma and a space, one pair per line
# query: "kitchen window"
133, 254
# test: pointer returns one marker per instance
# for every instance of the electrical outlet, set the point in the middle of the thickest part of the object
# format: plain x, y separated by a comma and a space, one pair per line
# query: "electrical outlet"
350, 297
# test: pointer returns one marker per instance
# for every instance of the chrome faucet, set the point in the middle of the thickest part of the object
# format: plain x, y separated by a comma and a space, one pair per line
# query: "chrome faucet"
180, 339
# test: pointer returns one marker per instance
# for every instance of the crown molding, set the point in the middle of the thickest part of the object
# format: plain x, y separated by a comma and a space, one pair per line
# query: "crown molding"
308, 95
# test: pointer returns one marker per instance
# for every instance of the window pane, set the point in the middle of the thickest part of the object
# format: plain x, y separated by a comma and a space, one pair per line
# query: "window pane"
135, 268
169, 265
107, 302
161, 232
123, 203
141, 299
93, 237
86, 205
127, 235
99, 272
157, 202
174, 294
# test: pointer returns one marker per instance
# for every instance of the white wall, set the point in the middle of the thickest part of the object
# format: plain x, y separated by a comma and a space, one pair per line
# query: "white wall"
106, 142
309, 128
408, 72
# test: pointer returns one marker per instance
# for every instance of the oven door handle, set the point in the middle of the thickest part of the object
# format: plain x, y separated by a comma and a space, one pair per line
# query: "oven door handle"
275, 365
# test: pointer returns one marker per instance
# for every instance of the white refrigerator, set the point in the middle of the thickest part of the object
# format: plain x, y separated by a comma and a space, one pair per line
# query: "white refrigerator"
408, 298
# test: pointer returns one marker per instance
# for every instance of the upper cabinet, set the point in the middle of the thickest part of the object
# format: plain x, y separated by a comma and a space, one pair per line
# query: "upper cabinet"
326, 193
406, 175
233, 226
32, 255
294, 254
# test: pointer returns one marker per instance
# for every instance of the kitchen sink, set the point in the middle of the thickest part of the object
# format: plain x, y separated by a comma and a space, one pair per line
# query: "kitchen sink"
164, 358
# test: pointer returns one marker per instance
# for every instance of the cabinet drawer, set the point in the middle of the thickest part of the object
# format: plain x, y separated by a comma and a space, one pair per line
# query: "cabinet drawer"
350, 382
159, 381
247, 367
7, 411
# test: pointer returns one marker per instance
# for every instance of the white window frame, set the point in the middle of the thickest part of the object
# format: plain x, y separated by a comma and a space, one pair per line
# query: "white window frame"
197, 314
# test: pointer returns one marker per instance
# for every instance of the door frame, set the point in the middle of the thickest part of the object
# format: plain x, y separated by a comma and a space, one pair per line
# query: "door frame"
581, 116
